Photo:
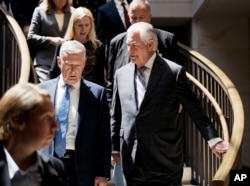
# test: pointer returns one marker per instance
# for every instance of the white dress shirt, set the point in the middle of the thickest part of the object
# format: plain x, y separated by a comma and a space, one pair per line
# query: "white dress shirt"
72, 127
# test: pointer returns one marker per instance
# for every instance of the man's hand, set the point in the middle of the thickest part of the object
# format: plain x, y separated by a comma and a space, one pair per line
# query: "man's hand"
100, 181
115, 159
220, 148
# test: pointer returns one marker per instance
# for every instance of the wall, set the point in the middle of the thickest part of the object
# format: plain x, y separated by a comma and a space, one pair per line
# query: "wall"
226, 42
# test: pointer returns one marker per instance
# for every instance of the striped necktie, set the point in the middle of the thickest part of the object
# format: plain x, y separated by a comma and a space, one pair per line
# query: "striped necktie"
140, 84
62, 119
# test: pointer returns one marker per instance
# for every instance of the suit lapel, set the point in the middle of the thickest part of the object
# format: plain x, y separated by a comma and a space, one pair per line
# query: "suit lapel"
4, 172
50, 175
115, 13
132, 87
155, 76
84, 91
52, 90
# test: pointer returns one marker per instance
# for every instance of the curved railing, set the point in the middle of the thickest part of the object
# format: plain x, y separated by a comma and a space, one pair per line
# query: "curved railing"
14, 52
223, 104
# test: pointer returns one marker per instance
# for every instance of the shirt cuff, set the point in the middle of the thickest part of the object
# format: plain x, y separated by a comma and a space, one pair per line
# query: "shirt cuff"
214, 141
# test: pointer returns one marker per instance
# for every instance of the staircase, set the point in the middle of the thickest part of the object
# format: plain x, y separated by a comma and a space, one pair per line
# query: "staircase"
214, 89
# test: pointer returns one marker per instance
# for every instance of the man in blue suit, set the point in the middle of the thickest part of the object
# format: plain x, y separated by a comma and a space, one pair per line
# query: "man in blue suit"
145, 127
87, 150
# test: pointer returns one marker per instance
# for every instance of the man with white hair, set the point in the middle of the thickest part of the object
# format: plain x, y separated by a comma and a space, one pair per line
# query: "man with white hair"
145, 127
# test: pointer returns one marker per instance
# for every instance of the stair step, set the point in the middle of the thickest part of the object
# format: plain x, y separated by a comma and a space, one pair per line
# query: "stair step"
186, 178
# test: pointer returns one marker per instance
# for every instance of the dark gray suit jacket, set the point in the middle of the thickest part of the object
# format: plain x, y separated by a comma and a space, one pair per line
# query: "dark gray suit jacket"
92, 143
43, 26
154, 130
53, 170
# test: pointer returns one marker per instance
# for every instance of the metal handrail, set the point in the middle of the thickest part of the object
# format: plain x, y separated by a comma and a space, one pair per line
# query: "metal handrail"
214, 103
235, 125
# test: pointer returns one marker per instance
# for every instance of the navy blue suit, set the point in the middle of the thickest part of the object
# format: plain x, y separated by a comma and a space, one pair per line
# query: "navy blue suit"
92, 143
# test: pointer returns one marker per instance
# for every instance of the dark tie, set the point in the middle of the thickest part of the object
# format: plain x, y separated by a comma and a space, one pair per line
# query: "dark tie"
125, 12
62, 119
140, 84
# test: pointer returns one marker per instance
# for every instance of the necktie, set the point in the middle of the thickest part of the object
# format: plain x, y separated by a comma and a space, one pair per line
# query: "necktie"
125, 12
62, 119
140, 84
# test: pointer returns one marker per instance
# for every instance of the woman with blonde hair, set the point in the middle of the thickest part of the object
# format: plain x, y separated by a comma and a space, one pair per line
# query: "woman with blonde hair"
82, 28
27, 124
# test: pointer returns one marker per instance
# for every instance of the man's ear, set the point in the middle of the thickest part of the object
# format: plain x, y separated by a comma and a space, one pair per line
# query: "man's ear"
59, 61
151, 44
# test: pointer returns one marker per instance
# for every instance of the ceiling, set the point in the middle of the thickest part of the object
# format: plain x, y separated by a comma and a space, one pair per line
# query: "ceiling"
167, 12
224, 8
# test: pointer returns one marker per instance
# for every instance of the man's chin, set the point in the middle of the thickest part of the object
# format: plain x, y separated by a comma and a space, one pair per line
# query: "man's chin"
71, 80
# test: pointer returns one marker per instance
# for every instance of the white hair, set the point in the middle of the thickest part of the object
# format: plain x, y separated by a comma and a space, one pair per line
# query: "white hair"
146, 32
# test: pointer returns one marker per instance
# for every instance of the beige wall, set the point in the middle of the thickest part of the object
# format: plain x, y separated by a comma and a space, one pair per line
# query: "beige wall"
226, 42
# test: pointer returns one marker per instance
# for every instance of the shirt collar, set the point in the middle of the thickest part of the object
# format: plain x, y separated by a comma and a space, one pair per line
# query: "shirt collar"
150, 62
13, 167
118, 3
61, 83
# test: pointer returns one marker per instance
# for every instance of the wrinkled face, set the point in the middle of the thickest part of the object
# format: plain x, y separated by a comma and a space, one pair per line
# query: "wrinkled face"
139, 13
139, 51
59, 4
82, 28
40, 127
71, 67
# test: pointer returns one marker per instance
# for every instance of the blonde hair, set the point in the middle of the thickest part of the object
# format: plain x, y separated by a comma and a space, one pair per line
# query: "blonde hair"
49, 7
78, 14
19, 100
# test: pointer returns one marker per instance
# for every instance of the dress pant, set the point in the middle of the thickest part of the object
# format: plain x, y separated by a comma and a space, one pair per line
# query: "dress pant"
138, 177
69, 165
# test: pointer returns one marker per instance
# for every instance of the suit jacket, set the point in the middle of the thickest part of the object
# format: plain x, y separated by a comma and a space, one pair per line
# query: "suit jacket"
53, 170
118, 54
92, 5
92, 143
108, 23
153, 131
43, 26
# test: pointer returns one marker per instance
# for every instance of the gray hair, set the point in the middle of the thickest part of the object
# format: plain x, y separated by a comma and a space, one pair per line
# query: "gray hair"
138, 2
72, 47
146, 31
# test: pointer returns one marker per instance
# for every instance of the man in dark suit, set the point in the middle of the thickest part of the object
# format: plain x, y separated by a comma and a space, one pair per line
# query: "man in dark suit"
145, 125
110, 21
86, 154
139, 11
